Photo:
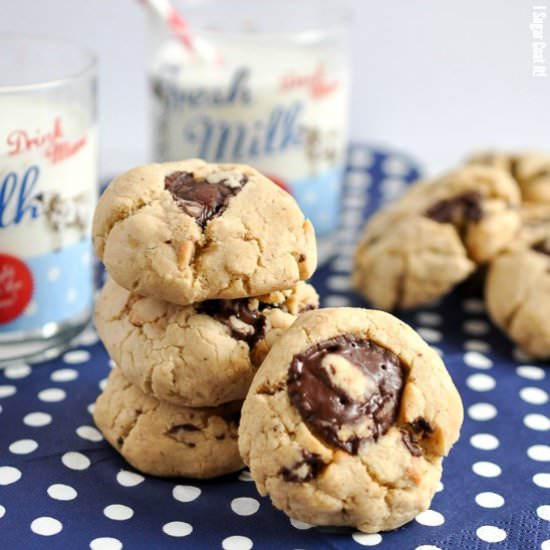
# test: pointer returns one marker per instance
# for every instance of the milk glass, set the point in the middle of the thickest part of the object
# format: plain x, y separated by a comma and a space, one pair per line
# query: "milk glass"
48, 190
270, 90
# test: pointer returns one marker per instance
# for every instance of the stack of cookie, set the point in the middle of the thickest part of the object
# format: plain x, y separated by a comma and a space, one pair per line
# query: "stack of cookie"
207, 266
491, 216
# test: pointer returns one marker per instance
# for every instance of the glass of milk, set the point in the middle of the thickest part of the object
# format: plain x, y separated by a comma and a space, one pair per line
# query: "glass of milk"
48, 190
267, 85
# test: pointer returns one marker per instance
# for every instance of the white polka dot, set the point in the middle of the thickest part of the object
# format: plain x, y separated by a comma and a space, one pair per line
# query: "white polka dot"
76, 356
64, 375
106, 543
112, 364
440, 487
485, 442
521, 356
2, 511
427, 547
480, 382
185, 493
430, 518
489, 533
177, 529
89, 433
17, 371
88, 337
429, 334
338, 282
7, 391
475, 327
245, 476
534, 396
428, 318
75, 461
489, 500
53, 274
360, 157
391, 187
37, 419
542, 480
537, 422
102, 384
336, 301
530, 372
52, 395
118, 512
23, 447
541, 453
342, 264
244, 506
59, 491
302, 525
477, 345
236, 542
486, 469
71, 295
473, 305
365, 539
357, 179
129, 479
476, 360
395, 166
482, 412
543, 512
91, 408
46, 526
545, 545
9, 475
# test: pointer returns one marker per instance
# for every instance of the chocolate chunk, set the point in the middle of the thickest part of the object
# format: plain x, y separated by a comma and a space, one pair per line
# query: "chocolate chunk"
413, 433
304, 470
199, 198
457, 210
326, 408
245, 323
543, 247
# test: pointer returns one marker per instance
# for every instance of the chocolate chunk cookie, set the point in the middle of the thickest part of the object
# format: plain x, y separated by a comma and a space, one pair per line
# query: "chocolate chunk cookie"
347, 420
418, 248
531, 171
200, 355
191, 231
163, 440
517, 289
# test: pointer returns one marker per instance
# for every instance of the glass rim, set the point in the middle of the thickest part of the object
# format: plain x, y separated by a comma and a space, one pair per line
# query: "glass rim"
341, 20
89, 65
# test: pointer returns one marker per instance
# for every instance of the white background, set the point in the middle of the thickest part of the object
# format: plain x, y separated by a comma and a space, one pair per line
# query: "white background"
434, 78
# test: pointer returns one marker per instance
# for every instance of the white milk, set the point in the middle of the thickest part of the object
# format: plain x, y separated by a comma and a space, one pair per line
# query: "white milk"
48, 190
281, 109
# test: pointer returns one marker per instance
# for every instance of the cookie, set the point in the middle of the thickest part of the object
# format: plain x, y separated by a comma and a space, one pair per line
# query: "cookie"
189, 231
531, 171
200, 355
517, 289
347, 420
163, 440
420, 247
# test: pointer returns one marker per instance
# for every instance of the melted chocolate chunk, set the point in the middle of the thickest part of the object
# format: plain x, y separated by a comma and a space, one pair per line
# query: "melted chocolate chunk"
199, 198
457, 210
412, 433
542, 247
245, 323
326, 408
304, 470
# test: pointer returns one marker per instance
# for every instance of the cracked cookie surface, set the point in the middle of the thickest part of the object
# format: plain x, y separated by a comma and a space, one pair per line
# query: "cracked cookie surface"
419, 247
160, 439
517, 289
347, 420
191, 231
531, 170
200, 355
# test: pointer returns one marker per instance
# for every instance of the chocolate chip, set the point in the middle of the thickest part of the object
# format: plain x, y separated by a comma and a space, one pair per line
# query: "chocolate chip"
542, 247
244, 322
304, 470
457, 210
412, 433
326, 408
198, 197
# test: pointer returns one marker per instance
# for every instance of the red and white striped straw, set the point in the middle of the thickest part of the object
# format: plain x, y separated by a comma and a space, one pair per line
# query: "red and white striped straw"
179, 27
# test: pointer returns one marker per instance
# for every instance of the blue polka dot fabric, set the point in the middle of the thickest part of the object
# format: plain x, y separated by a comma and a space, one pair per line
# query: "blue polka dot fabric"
63, 487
